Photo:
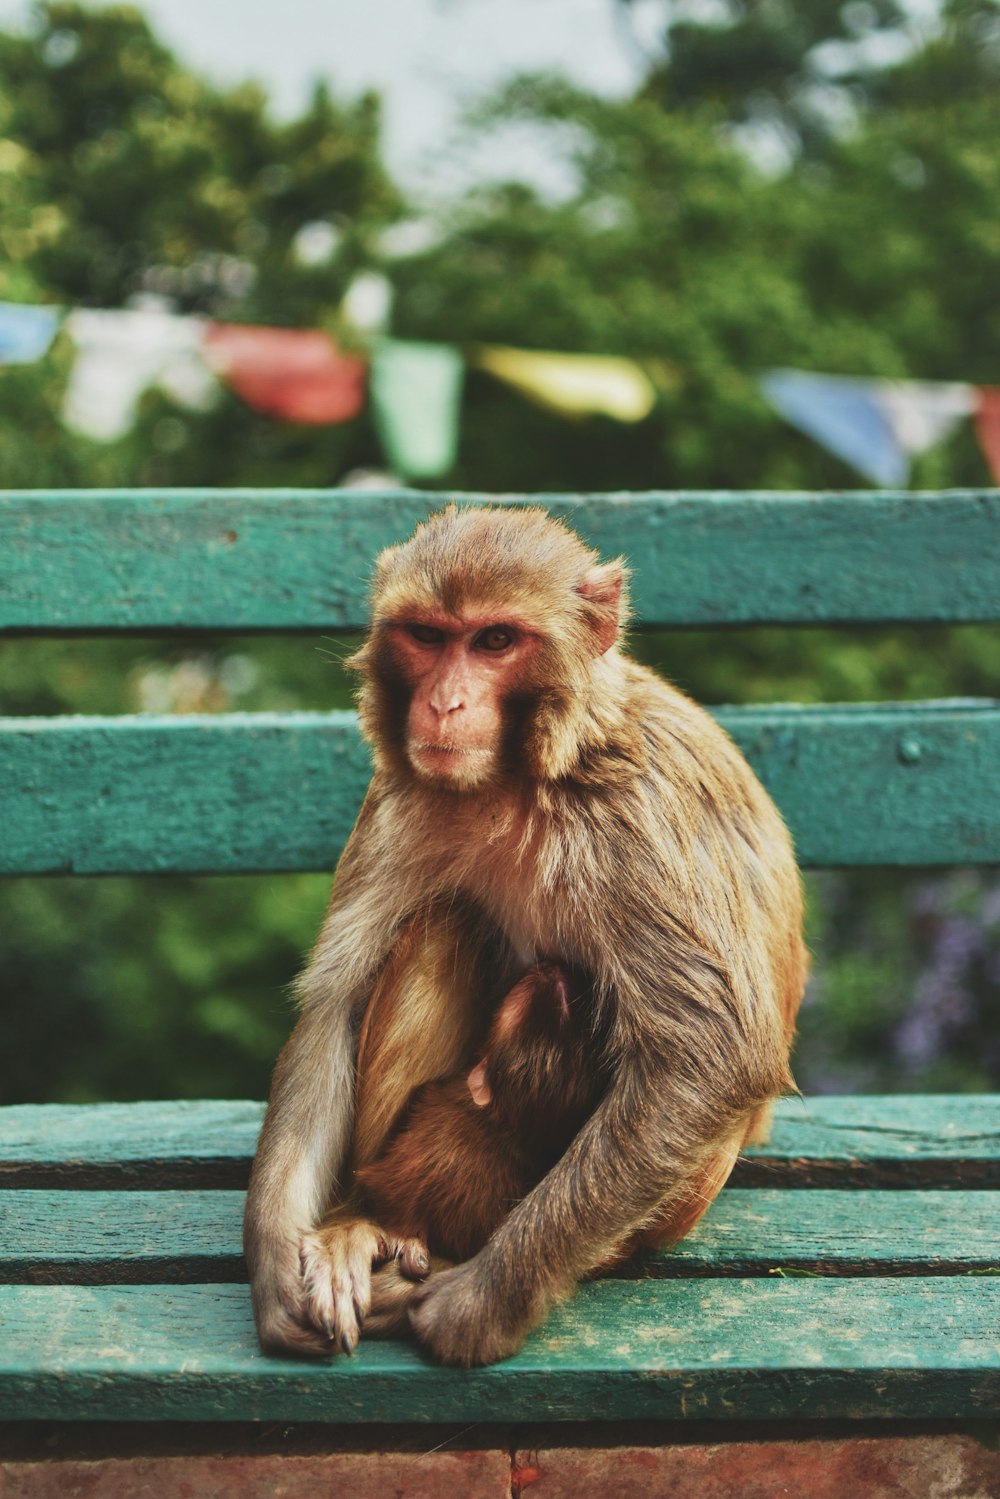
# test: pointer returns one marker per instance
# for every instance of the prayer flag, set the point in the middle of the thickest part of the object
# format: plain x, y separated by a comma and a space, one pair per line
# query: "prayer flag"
876, 426
923, 412
574, 384
26, 332
416, 389
119, 354
988, 427
842, 415
297, 374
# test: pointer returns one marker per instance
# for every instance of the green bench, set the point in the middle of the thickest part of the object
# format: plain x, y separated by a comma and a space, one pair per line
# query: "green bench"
833, 1324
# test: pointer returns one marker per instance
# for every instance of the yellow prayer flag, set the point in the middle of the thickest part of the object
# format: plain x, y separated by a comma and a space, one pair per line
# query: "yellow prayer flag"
573, 384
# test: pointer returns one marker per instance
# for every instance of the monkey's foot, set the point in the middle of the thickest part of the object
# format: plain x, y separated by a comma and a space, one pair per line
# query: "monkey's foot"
393, 1292
461, 1321
337, 1260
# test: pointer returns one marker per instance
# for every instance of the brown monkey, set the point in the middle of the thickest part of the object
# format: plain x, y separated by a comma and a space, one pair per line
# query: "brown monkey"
466, 1149
535, 792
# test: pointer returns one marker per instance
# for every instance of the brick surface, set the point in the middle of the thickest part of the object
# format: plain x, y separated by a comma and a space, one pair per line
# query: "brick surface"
353, 1475
945, 1467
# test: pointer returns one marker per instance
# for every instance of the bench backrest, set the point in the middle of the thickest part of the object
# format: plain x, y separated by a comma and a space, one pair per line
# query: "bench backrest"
890, 784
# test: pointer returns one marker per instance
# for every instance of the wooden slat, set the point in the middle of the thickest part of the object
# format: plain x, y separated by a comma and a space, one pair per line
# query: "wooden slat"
93, 1238
891, 784
766, 1232
183, 1142
945, 1141
941, 1141
300, 559
747, 1349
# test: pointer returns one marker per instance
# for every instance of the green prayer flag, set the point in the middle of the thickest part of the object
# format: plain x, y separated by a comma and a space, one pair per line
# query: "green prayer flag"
415, 391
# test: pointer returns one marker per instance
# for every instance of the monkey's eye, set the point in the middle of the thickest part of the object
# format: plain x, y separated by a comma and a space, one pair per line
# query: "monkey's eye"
495, 638
427, 634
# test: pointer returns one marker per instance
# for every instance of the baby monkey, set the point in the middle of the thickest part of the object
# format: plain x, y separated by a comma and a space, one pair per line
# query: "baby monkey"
468, 1148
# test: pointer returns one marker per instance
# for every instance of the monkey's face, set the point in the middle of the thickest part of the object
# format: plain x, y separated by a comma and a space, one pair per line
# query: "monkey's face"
465, 674
479, 667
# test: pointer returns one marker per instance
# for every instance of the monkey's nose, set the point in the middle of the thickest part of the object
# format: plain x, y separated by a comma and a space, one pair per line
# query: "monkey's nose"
446, 704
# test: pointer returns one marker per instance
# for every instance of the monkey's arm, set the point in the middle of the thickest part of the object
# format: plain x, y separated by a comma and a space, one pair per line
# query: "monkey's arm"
306, 1135
693, 1066
334, 1098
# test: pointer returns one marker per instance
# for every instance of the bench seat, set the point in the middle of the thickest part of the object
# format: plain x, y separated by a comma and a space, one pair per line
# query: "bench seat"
830, 1328
123, 1291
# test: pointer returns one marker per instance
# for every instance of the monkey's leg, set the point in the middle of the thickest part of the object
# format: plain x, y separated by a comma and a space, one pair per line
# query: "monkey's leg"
690, 1204
425, 1011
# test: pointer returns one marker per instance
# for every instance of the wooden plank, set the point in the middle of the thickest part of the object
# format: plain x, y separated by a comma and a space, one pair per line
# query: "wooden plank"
300, 559
101, 1237
946, 1141
155, 795
765, 1231
942, 1141
178, 1143
889, 784
660, 1349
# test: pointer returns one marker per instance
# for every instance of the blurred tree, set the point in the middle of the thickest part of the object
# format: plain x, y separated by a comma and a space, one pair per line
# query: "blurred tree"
128, 176
144, 177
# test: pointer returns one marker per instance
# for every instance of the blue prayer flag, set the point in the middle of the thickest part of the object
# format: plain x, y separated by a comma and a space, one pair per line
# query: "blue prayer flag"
26, 332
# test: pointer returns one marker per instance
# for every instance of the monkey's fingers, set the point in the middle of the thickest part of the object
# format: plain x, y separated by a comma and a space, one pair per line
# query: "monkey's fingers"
412, 1258
456, 1317
282, 1333
392, 1296
336, 1277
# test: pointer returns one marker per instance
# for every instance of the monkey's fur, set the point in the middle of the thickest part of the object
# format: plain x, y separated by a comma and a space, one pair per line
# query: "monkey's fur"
454, 1167
588, 811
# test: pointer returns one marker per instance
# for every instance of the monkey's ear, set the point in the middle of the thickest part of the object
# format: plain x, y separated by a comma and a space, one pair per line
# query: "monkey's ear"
602, 588
479, 1086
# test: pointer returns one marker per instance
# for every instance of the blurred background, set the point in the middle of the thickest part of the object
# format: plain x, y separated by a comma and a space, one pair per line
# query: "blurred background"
707, 190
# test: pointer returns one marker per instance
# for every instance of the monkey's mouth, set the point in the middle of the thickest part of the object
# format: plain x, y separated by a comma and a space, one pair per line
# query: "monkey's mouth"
449, 759
427, 750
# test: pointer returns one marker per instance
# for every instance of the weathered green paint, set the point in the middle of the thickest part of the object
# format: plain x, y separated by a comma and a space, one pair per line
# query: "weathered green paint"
181, 1142
108, 1237
887, 784
300, 559
944, 1140
99, 1237
734, 1349
854, 1232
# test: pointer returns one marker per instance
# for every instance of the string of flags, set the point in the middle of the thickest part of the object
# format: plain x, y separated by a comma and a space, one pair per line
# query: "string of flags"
415, 389
302, 375
878, 426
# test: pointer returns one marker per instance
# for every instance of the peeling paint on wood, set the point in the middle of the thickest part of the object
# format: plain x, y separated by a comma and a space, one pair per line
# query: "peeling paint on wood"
301, 559
946, 1141
91, 1238
146, 794
652, 1349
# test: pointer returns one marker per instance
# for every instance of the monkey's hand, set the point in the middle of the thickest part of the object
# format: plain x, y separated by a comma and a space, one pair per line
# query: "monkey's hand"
337, 1260
459, 1316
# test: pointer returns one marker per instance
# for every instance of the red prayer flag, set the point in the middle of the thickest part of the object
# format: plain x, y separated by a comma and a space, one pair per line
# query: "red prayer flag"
298, 374
988, 427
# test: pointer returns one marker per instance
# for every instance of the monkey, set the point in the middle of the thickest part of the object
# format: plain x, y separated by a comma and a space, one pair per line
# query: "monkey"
467, 1148
535, 792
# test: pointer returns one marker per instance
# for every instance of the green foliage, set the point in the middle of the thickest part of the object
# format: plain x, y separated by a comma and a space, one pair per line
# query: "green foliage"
122, 174
874, 249
124, 989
